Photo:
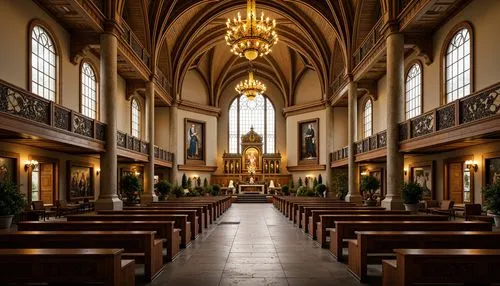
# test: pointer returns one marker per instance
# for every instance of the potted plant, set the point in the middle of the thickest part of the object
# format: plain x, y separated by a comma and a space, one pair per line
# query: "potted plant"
163, 188
340, 184
131, 187
184, 182
178, 191
412, 194
215, 190
491, 194
285, 190
12, 202
321, 190
369, 185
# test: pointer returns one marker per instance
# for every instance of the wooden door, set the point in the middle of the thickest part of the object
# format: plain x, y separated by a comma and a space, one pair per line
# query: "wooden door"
47, 183
455, 181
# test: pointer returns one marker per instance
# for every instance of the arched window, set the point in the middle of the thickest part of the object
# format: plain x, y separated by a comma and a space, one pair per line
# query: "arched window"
458, 66
136, 118
43, 63
367, 119
413, 93
259, 114
88, 95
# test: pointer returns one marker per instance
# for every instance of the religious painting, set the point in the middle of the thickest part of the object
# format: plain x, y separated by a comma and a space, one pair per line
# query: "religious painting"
492, 170
8, 170
422, 173
194, 142
378, 174
80, 183
252, 159
308, 141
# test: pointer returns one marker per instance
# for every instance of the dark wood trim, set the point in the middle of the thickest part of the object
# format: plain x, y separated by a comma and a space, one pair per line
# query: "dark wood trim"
198, 168
131, 154
204, 143
55, 182
442, 76
306, 168
370, 155
17, 157
57, 46
339, 163
433, 174
301, 161
407, 70
459, 159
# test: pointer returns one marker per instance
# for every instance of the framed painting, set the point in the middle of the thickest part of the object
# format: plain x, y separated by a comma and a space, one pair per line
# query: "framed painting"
423, 174
308, 133
80, 182
194, 142
379, 175
492, 171
9, 167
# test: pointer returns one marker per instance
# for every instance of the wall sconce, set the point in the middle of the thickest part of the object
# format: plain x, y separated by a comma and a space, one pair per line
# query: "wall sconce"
471, 165
30, 164
406, 171
365, 173
97, 171
137, 174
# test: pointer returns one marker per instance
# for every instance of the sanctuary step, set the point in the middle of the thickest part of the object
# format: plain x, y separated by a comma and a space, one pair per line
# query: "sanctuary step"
251, 198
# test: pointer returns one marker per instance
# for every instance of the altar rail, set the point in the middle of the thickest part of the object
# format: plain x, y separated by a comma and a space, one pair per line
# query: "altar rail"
462, 112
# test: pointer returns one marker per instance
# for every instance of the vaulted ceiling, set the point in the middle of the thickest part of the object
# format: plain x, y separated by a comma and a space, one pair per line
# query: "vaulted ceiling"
314, 35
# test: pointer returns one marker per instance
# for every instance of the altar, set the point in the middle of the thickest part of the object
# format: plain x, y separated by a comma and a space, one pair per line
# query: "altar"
251, 188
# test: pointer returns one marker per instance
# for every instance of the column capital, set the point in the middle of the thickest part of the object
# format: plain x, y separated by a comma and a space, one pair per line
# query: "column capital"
390, 27
113, 27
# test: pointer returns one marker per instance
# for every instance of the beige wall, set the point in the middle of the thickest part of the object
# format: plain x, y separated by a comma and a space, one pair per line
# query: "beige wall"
308, 88
24, 155
339, 127
162, 127
194, 88
227, 97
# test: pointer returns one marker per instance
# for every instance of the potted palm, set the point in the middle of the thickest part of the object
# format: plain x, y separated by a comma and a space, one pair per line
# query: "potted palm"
163, 188
369, 186
412, 194
491, 194
131, 187
12, 202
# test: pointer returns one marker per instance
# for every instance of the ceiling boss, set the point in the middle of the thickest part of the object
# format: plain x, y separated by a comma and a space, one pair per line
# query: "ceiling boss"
251, 38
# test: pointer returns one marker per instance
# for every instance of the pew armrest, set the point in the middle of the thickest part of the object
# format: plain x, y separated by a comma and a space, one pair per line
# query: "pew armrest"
127, 276
389, 272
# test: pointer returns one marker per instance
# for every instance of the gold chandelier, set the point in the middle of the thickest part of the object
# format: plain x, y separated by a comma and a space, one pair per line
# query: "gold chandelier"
250, 87
251, 38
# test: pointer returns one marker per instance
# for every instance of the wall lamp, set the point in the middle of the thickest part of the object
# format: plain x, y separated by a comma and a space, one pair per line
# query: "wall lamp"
30, 164
406, 171
365, 173
471, 165
97, 171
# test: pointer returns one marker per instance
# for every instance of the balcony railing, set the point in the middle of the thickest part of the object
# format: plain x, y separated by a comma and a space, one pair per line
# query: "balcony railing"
470, 109
21, 103
163, 155
373, 37
131, 143
136, 45
339, 82
161, 79
99, 4
477, 106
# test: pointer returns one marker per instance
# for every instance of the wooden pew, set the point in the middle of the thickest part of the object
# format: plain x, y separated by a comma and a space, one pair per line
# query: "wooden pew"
180, 221
211, 206
438, 266
205, 209
138, 245
295, 205
371, 247
192, 217
347, 229
298, 217
164, 229
314, 216
66, 266
328, 221
199, 213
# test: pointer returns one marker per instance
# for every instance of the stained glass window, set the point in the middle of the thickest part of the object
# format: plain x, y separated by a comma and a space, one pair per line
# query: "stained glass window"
136, 123
245, 114
367, 119
43, 64
458, 69
89, 91
413, 92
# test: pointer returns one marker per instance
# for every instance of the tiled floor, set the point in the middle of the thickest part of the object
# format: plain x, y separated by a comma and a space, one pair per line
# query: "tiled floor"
263, 249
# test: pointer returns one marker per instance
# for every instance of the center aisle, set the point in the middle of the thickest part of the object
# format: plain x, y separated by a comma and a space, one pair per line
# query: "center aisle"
253, 244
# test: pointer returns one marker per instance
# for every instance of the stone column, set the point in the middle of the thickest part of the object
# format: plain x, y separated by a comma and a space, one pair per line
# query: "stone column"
329, 147
108, 198
174, 144
149, 194
395, 90
353, 194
